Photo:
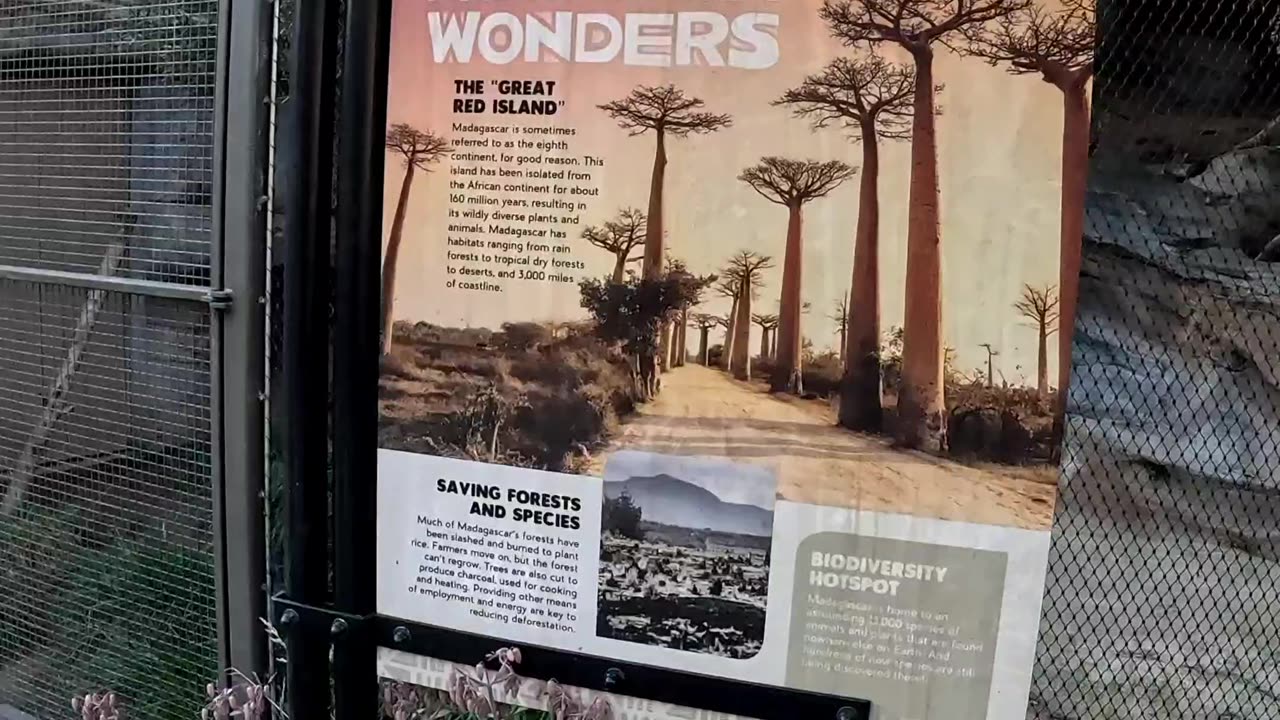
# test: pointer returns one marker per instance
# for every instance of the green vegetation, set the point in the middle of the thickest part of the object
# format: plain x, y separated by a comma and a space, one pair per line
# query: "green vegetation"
90, 608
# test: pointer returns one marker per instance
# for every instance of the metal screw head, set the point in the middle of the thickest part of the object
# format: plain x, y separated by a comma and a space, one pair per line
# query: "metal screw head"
613, 677
846, 713
338, 628
400, 635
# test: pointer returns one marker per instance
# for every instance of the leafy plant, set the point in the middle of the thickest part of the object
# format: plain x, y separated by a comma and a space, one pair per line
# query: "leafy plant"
247, 700
99, 706
632, 314
623, 516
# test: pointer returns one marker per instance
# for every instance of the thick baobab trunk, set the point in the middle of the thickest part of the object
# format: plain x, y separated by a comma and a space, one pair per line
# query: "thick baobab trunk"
667, 342
682, 339
392, 257
764, 343
647, 366
654, 252
1042, 362
676, 342
664, 346
730, 330
860, 390
1075, 176
773, 345
620, 269
921, 401
786, 369
742, 334
703, 346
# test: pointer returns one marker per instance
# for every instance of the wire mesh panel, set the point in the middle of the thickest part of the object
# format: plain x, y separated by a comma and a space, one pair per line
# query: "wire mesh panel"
106, 136
105, 557
107, 572
1162, 598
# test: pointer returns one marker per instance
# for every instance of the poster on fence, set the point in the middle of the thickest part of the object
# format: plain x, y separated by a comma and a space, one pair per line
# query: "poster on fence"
726, 336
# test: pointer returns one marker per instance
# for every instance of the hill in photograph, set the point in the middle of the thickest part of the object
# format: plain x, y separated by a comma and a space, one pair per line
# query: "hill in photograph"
668, 500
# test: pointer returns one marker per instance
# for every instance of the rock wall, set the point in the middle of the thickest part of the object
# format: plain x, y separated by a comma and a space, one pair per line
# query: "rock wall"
1163, 591
1164, 585
1163, 597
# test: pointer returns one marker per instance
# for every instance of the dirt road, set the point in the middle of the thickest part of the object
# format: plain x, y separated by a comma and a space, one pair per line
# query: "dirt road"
702, 411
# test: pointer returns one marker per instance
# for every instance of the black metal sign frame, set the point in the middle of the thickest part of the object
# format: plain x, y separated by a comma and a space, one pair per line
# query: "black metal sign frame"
314, 616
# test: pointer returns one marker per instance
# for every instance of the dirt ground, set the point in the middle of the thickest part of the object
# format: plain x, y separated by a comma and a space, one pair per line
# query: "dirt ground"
702, 411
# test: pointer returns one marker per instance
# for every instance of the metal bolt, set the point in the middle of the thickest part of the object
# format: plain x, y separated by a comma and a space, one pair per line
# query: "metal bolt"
400, 635
338, 628
289, 617
846, 713
613, 677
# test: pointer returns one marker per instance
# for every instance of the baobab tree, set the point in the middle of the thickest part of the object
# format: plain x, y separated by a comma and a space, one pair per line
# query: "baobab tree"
1040, 306
726, 323
419, 150
727, 287
745, 268
767, 323
665, 111
773, 341
669, 334
704, 322
1057, 45
991, 366
806, 308
620, 236
674, 345
871, 97
793, 184
681, 338
916, 26
841, 318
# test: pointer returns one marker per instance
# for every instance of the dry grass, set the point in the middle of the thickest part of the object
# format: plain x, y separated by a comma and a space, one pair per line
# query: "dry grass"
997, 425
525, 396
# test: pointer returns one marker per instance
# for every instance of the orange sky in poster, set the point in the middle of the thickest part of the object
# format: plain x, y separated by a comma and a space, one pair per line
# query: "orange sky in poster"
999, 154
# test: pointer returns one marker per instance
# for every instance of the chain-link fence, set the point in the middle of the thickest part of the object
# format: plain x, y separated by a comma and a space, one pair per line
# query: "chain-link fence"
106, 355
1162, 592
1162, 579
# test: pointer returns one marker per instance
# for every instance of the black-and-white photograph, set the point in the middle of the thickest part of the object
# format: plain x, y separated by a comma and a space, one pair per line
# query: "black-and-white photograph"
684, 553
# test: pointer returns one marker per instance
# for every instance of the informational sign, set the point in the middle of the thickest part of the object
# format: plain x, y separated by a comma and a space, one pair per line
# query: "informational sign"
723, 336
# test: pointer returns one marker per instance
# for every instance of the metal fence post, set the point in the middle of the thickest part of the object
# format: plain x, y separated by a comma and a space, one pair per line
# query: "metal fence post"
304, 170
356, 321
241, 186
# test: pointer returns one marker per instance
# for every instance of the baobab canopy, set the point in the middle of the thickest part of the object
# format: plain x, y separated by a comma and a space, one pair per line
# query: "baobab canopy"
776, 283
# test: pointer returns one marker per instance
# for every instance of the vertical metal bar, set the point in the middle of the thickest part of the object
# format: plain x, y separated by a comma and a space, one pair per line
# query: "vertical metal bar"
359, 218
305, 164
217, 475
242, 270
356, 323
217, 360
